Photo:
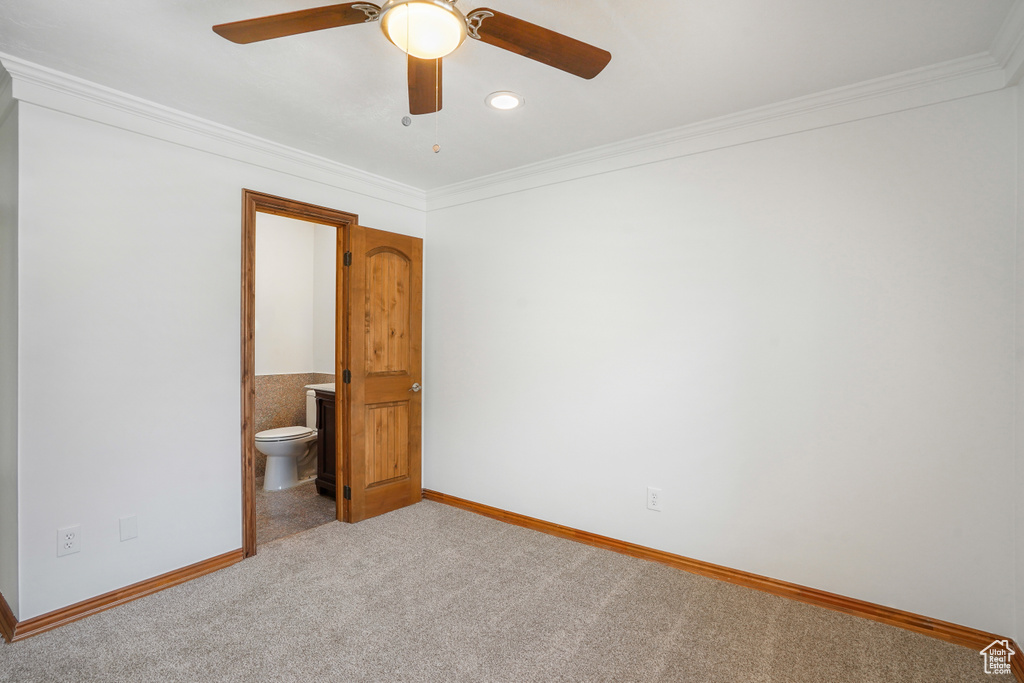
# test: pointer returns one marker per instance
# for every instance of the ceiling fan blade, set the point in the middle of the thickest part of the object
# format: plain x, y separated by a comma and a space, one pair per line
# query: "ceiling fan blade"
538, 43
424, 85
302, 21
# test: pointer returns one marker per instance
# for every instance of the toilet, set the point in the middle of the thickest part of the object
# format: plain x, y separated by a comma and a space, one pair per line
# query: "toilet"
285, 446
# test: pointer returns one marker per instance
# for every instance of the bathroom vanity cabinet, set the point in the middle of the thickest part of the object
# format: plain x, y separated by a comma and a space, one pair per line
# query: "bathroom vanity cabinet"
326, 476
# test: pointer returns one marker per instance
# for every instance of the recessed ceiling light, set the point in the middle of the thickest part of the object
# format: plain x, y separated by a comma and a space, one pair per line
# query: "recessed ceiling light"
504, 99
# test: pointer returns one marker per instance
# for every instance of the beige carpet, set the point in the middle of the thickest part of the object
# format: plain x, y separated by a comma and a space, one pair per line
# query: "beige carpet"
431, 593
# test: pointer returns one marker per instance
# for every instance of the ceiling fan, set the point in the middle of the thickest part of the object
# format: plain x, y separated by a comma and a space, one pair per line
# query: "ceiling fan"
427, 30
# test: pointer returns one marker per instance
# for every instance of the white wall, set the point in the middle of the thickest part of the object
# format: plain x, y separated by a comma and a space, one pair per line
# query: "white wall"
130, 304
9, 354
806, 342
295, 286
325, 258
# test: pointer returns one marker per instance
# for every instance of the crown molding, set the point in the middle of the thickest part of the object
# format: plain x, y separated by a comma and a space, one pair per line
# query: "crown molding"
62, 92
1010, 35
976, 74
958, 78
7, 101
1008, 46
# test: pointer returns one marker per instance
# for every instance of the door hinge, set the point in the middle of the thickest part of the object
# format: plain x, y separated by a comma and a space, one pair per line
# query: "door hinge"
348, 258
347, 492
346, 376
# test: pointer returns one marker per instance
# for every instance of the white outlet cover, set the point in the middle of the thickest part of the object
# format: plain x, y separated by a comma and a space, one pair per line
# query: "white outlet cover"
129, 527
654, 499
69, 540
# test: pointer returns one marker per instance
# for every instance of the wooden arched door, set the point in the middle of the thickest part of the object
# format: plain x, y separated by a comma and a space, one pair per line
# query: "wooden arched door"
381, 463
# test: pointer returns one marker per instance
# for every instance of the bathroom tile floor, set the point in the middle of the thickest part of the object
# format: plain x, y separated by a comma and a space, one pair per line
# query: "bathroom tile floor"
287, 512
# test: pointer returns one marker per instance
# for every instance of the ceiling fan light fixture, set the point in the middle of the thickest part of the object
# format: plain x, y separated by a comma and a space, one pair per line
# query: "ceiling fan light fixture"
504, 100
425, 29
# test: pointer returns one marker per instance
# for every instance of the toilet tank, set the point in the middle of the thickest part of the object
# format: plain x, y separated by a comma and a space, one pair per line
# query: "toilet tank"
311, 409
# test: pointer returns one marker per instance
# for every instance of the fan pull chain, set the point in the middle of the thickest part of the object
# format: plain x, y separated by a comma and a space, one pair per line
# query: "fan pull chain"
437, 111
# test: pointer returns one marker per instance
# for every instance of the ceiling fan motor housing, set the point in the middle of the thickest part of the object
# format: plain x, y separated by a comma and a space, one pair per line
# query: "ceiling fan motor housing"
426, 29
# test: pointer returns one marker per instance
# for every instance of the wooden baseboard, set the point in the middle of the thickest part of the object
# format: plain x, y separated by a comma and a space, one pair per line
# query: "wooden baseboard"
20, 630
936, 628
7, 620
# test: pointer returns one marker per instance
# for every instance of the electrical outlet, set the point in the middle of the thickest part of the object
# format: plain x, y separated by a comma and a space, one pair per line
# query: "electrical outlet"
653, 499
69, 540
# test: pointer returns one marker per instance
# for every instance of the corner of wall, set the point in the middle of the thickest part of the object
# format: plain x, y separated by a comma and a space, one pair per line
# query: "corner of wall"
1018, 383
1008, 45
9, 160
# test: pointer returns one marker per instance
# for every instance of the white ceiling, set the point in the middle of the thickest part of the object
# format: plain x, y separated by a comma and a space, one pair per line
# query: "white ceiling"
341, 93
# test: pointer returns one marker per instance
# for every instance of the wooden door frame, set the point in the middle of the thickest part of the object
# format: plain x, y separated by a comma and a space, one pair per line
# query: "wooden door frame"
258, 202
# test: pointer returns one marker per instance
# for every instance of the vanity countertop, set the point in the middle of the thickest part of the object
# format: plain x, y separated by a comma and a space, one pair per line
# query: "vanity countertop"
329, 387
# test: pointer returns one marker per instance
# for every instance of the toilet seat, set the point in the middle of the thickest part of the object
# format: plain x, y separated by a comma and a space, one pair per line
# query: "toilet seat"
285, 434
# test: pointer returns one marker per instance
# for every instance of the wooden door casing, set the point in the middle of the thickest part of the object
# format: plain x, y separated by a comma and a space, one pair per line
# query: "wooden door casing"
382, 464
254, 203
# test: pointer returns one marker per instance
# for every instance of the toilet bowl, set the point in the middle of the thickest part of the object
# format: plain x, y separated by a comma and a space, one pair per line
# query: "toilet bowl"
285, 446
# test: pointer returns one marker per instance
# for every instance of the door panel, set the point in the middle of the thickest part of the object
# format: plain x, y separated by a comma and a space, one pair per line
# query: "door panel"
382, 466
388, 279
387, 443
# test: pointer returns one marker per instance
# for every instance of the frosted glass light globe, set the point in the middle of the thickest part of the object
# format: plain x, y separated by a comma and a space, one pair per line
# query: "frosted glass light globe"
426, 29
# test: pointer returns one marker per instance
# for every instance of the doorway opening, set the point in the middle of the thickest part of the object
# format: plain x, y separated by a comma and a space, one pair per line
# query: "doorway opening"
255, 203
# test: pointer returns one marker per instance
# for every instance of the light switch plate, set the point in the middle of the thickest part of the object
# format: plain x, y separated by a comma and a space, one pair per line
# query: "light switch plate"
129, 527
